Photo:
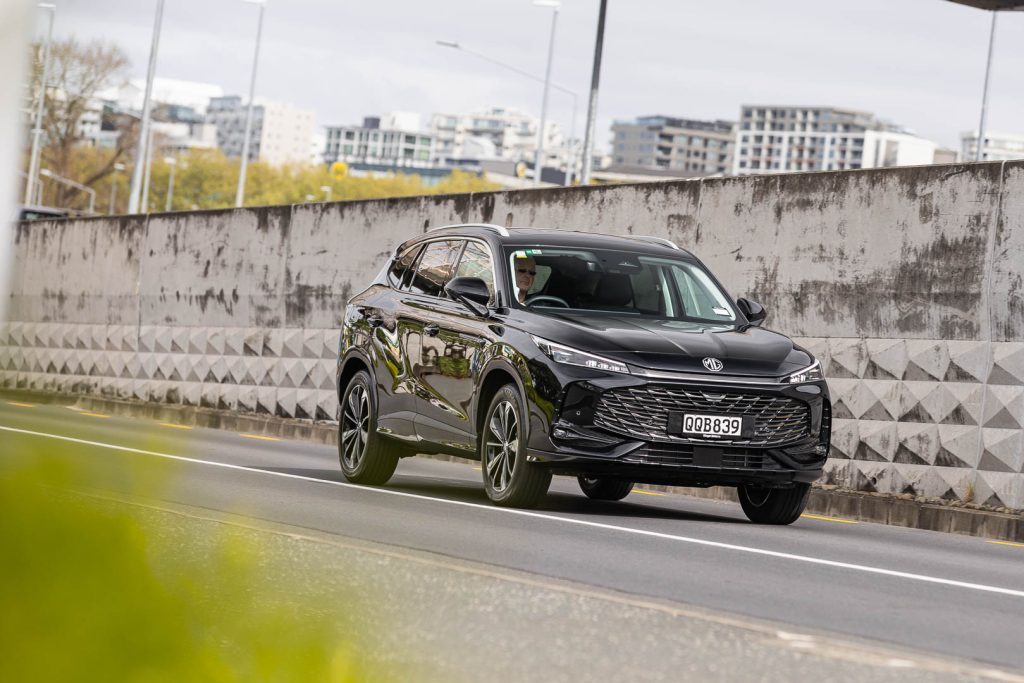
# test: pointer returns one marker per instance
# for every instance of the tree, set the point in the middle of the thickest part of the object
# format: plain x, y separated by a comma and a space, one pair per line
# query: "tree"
206, 179
78, 71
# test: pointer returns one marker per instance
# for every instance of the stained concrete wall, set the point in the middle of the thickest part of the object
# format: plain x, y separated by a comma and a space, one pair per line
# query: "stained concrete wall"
907, 283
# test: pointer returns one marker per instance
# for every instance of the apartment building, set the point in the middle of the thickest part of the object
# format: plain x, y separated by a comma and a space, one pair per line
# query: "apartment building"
280, 134
391, 140
511, 134
778, 139
998, 146
685, 147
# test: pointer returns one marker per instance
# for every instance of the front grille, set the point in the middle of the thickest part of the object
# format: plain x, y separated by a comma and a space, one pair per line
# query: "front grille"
642, 412
682, 454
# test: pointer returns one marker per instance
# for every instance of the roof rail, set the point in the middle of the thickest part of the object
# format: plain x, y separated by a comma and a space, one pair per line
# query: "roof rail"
656, 240
500, 229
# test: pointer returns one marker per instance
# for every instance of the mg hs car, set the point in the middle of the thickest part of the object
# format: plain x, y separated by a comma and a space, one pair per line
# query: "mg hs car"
617, 360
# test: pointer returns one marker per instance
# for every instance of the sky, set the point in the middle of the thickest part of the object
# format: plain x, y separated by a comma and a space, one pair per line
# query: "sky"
917, 63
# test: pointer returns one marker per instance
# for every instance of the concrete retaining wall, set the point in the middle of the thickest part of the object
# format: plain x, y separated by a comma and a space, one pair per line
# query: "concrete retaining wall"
907, 283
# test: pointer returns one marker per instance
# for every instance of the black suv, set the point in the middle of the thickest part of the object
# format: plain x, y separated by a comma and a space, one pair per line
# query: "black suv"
612, 359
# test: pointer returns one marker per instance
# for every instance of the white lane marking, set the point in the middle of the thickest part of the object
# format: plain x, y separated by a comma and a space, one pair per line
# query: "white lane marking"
540, 515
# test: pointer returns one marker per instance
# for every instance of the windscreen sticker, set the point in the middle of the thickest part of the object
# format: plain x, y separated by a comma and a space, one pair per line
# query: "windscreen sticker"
720, 311
527, 253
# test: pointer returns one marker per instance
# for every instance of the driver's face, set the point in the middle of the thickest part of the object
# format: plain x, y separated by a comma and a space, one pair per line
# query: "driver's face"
526, 270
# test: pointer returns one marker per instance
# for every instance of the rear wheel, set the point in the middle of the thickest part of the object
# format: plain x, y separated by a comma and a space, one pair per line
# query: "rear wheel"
366, 457
509, 479
600, 488
774, 506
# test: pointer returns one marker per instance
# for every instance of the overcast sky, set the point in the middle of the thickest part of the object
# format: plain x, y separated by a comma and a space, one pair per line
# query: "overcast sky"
918, 63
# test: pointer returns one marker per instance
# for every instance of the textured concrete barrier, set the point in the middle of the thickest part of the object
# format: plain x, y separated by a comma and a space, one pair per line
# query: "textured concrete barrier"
907, 283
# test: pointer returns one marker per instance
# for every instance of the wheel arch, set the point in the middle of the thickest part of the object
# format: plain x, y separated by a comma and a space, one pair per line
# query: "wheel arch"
496, 374
351, 363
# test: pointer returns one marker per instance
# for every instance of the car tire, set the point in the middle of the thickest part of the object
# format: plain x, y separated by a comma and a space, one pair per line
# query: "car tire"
366, 457
509, 479
601, 488
774, 506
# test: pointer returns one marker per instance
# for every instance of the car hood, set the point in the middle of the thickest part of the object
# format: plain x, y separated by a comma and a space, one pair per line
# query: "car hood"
678, 346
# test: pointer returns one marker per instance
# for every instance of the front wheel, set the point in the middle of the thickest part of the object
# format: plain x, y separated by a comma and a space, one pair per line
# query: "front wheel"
366, 457
509, 479
599, 488
774, 506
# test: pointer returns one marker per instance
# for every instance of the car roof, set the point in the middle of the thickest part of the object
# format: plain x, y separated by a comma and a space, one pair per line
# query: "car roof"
528, 236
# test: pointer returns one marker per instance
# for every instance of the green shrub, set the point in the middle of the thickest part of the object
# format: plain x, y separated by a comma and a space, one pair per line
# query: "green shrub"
96, 589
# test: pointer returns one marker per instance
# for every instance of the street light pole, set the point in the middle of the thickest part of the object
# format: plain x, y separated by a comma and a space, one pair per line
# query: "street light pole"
595, 78
980, 147
170, 182
141, 149
240, 194
113, 187
570, 171
149, 170
538, 164
37, 133
527, 74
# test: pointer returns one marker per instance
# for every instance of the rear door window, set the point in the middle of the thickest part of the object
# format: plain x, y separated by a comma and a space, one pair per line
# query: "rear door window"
435, 267
401, 265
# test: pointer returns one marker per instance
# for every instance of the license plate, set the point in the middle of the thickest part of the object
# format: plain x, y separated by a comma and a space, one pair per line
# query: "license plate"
712, 425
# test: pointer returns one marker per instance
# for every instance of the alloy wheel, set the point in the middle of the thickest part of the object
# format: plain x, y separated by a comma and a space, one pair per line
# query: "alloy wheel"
501, 446
355, 425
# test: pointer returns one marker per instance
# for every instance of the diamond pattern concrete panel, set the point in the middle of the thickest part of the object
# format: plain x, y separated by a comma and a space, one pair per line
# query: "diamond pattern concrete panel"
929, 417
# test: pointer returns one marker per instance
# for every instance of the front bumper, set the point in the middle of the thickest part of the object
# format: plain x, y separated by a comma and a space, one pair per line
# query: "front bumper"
773, 467
578, 441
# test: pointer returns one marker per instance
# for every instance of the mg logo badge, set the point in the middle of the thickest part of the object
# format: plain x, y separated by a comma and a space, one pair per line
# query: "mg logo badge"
713, 364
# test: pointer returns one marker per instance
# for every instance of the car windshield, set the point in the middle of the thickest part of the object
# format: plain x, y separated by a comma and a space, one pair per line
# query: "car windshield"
616, 282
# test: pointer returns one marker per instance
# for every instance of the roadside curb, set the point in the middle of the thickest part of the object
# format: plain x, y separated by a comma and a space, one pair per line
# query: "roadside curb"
847, 505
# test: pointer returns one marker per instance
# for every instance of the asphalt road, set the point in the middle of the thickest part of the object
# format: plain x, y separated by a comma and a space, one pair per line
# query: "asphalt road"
867, 600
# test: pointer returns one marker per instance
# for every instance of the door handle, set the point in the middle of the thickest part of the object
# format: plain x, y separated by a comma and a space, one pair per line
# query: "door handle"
431, 330
375, 321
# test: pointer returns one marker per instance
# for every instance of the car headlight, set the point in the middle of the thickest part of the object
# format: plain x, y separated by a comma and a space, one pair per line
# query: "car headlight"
812, 373
571, 356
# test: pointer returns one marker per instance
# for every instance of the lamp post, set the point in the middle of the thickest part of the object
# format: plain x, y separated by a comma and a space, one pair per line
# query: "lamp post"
979, 154
149, 171
572, 132
113, 187
141, 149
595, 78
326, 189
47, 173
538, 164
37, 132
172, 162
995, 6
240, 193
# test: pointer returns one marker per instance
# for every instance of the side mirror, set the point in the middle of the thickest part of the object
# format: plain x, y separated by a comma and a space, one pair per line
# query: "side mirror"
471, 292
753, 311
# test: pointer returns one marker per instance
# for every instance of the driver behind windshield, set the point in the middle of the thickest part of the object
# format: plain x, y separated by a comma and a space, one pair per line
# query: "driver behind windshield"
526, 271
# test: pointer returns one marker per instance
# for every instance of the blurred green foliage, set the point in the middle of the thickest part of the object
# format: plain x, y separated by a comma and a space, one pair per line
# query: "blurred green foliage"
91, 589
206, 179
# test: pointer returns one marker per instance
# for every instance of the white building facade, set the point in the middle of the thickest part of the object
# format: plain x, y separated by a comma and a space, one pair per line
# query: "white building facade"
281, 133
192, 94
510, 133
385, 140
780, 139
998, 146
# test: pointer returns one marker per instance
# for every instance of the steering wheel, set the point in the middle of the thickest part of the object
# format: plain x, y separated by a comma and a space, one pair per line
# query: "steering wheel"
537, 298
